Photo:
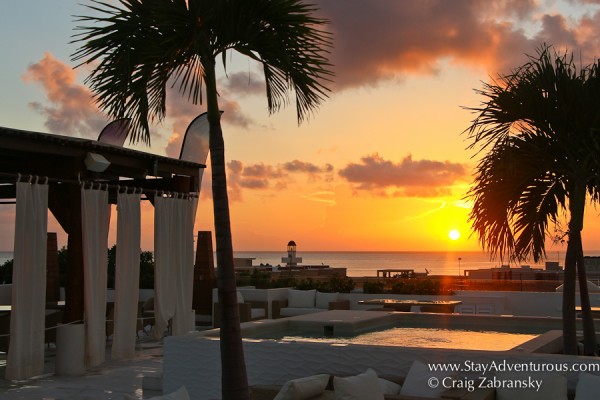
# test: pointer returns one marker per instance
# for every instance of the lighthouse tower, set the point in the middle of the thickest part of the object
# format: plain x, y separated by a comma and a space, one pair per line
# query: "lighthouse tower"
291, 260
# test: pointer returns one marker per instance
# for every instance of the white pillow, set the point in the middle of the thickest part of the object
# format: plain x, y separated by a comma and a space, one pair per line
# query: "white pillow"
303, 388
389, 387
360, 387
587, 387
417, 382
301, 298
179, 394
323, 299
240, 298
553, 386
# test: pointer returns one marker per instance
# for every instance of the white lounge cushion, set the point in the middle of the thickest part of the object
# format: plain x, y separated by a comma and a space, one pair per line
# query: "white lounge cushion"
389, 387
323, 299
303, 388
364, 386
179, 394
417, 382
587, 387
294, 311
301, 298
240, 298
553, 387
256, 313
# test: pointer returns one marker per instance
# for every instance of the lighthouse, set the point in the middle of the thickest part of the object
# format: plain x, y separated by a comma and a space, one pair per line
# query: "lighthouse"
291, 260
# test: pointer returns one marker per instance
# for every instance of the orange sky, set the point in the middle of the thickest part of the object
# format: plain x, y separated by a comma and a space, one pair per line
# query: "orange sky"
381, 166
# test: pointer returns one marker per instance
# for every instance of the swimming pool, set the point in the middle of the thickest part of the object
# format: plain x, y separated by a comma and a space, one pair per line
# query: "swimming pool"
412, 337
442, 331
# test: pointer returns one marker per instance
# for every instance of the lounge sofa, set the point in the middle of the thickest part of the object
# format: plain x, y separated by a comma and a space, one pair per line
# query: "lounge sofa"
300, 302
249, 310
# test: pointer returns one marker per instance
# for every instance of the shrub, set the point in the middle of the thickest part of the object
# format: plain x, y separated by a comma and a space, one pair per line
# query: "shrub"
336, 283
374, 287
341, 284
419, 286
6, 272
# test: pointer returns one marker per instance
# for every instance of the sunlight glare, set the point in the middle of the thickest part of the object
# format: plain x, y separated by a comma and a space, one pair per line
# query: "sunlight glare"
454, 234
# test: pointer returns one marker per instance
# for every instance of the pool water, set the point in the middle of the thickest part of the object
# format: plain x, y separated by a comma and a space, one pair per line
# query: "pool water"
421, 337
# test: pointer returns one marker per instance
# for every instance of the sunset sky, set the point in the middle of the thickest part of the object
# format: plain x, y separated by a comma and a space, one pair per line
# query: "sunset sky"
382, 165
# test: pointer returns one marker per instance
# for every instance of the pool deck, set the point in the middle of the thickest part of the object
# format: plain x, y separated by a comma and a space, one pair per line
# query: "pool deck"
138, 378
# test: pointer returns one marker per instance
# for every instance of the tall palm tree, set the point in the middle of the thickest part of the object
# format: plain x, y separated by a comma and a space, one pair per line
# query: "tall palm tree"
139, 47
541, 127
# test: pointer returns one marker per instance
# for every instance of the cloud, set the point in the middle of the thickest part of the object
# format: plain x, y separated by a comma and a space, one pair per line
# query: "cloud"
408, 178
300, 166
377, 40
265, 176
327, 197
243, 84
70, 109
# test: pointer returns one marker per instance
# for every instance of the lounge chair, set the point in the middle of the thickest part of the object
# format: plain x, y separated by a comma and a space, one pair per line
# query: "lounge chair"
302, 302
249, 310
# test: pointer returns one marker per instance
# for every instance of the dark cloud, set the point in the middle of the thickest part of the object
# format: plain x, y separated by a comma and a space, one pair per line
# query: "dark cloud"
409, 178
70, 109
380, 39
265, 176
301, 166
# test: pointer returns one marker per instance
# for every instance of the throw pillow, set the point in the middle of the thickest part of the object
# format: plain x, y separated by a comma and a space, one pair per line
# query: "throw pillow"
323, 299
360, 387
179, 394
587, 387
303, 388
301, 298
389, 387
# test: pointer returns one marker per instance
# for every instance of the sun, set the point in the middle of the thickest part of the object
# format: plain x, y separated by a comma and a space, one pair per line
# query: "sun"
454, 234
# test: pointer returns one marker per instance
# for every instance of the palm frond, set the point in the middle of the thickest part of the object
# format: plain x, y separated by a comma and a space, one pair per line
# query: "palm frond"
288, 40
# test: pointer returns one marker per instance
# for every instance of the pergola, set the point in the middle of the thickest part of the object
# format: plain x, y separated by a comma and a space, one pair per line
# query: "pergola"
67, 162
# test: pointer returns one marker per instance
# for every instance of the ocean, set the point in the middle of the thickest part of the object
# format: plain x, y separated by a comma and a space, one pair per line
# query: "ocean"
365, 263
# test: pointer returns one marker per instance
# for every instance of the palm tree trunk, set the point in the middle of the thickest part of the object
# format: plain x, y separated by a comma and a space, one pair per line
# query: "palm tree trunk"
574, 263
589, 332
568, 301
234, 380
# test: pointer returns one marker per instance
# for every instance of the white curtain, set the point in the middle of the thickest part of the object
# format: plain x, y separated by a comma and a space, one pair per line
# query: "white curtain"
174, 264
127, 276
27, 320
164, 258
184, 320
95, 214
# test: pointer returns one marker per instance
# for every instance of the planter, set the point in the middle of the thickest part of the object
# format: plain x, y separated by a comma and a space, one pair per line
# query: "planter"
70, 349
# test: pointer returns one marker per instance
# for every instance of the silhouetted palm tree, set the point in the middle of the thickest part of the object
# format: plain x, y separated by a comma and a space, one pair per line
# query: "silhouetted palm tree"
541, 128
139, 47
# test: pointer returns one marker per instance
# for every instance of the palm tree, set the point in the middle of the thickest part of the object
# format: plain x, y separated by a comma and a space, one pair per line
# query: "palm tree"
541, 125
139, 47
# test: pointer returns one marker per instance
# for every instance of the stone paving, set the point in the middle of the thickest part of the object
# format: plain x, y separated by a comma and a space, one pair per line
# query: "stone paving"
110, 380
